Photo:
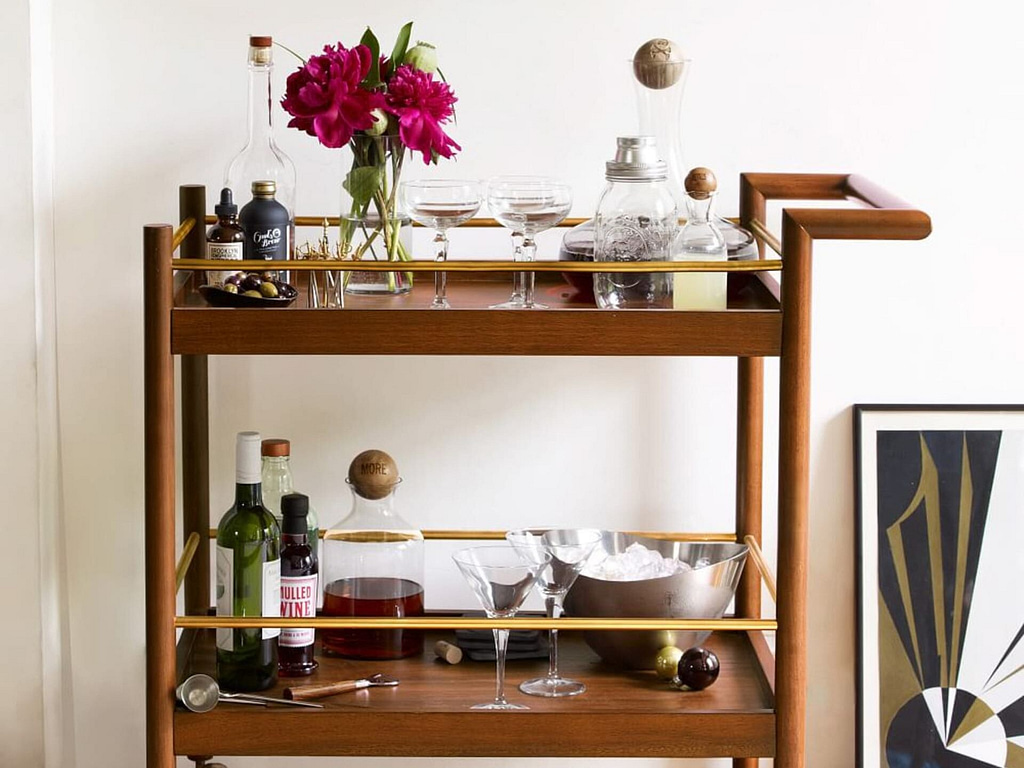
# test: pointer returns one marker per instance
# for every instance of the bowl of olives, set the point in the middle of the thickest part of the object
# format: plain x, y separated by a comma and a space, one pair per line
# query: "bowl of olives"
249, 289
640, 577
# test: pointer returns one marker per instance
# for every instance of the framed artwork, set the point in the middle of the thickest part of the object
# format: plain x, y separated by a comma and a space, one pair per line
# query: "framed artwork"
940, 554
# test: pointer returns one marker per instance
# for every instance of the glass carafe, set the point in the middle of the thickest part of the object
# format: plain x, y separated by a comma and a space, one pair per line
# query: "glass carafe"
700, 240
659, 72
373, 566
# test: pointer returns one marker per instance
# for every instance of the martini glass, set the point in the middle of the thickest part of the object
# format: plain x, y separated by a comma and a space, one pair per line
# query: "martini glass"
441, 204
527, 205
568, 550
501, 579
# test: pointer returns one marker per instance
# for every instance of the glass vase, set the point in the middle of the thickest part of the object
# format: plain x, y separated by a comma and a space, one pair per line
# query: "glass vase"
373, 226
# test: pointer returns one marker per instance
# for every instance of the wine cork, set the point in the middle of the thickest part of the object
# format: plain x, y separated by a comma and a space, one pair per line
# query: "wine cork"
373, 474
700, 183
658, 63
450, 653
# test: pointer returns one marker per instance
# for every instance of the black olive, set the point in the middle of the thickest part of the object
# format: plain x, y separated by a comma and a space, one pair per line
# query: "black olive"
251, 282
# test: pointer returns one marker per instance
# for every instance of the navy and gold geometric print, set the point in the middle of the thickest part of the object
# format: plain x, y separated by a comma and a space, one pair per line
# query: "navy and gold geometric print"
950, 629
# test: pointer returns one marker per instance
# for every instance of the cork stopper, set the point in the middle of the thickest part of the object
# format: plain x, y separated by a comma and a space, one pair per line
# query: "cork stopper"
658, 63
373, 474
276, 446
700, 183
261, 41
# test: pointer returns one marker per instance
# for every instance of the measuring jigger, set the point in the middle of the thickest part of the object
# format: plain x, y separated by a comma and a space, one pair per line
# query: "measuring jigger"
200, 693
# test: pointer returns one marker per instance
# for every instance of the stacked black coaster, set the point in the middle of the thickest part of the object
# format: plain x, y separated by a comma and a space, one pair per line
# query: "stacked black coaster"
478, 644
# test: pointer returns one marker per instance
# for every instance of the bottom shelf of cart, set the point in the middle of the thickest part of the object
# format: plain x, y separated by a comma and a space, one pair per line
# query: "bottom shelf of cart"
622, 714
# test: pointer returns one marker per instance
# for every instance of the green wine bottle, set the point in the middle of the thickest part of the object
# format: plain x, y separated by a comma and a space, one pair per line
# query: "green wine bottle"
248, 577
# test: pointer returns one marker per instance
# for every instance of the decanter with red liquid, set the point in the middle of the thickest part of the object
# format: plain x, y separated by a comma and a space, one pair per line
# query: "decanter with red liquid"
373, 566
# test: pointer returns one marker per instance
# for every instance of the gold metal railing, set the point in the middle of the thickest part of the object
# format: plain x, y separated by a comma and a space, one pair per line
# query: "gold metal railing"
522, 622
478, 265
463, 622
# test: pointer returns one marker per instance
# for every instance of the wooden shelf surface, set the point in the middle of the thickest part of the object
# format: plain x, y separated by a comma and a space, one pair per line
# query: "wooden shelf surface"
404, 325
622, 714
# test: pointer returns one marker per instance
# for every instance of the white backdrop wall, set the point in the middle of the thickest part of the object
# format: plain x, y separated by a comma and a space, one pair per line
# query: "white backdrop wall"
150, 95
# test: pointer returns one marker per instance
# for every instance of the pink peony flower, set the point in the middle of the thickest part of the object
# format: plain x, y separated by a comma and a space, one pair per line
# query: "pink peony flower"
422, 105
324, 98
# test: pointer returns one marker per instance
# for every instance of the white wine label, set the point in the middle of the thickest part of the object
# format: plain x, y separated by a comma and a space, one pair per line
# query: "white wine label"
225, 595
271, 595
227, 251
298, 600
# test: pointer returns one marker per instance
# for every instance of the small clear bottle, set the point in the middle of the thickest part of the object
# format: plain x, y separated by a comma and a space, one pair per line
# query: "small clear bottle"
261, 159
276, 475
636, 221
700, 240
373, 566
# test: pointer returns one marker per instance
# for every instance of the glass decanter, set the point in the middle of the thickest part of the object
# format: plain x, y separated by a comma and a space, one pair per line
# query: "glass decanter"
659, 73
700, 240
372, 565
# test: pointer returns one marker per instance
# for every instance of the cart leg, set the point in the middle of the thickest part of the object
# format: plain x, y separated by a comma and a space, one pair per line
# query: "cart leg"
159, 472
794, 436
195, 472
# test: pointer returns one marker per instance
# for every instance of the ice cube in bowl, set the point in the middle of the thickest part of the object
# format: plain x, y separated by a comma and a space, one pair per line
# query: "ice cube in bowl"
702, 586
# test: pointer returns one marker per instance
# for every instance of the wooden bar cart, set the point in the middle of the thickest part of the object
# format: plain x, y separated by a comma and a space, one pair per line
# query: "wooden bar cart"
757, 707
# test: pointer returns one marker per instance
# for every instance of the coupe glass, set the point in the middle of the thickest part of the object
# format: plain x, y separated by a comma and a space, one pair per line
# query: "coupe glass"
527, 205
501, 579
440, 204
568, 550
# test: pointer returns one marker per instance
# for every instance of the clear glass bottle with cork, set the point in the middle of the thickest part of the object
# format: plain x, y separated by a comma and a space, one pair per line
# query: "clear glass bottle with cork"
373, 565
261, 159
276, 474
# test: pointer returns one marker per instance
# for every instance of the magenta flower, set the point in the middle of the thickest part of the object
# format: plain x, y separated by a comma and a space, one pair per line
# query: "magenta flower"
422, 105
324, 98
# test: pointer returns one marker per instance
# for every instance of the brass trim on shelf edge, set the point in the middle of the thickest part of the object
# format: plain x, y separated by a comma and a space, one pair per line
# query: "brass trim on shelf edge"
458, 535
334, 221
182, 232
760, 231
462, 622
479, 265
187, 553
762, 565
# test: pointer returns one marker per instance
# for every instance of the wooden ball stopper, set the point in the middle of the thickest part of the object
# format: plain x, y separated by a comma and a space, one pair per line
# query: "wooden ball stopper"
448, 652
658, 63
373, 474
700, 183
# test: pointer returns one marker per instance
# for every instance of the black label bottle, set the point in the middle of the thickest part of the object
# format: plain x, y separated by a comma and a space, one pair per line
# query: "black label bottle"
248, 577
265, 223
298, 587
225, 239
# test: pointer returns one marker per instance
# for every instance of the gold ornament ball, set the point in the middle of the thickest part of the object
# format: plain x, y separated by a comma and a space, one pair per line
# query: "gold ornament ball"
658, 63
373, 474
667, 662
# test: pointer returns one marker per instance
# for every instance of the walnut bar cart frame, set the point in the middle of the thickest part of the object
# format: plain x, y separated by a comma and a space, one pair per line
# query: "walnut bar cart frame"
751, 712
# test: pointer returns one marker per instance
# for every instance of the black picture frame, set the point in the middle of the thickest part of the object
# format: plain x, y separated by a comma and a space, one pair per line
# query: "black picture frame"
935, 556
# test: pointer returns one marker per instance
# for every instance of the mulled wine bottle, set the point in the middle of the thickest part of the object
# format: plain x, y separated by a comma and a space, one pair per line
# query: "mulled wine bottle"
248, 577
298, 587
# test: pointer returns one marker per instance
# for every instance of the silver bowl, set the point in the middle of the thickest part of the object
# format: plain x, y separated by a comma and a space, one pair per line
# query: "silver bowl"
703, 593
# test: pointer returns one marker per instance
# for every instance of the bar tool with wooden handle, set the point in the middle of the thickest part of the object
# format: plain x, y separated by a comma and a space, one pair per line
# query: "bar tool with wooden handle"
321, 690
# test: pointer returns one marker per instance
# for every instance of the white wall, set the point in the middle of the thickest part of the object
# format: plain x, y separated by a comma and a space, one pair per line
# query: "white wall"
149, 95
21, 706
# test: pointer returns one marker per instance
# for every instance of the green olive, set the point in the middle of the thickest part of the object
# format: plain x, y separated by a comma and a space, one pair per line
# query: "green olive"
268, 289
667, 662
229, 288
254, 294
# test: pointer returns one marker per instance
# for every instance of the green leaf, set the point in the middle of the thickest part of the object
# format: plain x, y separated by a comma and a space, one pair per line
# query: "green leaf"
362, 182
372, 79
401, 46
